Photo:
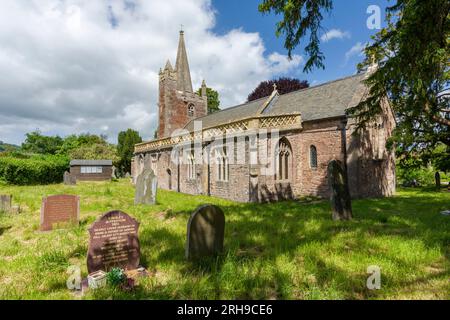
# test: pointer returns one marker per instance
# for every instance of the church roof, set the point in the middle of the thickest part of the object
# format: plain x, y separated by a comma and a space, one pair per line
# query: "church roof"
327, 100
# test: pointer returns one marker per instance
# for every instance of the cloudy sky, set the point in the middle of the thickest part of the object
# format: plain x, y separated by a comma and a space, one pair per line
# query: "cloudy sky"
74, 66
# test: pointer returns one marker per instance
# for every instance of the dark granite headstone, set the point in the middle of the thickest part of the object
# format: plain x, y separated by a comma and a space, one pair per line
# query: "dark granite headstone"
341, 203
113, 242
5, 203
59, 210
69, 179
146, 188
437, 179
205, 232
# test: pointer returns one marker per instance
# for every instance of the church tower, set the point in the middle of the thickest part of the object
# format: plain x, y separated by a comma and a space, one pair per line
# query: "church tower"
178, 103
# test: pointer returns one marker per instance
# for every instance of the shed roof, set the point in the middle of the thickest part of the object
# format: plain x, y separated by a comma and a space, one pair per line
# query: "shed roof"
91, 163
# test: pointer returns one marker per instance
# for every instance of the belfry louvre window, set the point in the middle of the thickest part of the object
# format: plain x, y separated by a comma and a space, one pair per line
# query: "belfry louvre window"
191, 110
283, 161
313, 157
223, 166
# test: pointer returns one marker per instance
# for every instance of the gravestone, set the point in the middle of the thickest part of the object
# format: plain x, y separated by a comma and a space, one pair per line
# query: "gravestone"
205, 232
341, 203
146, 188
59, 210
5, 203
128, 175
113, 242
437, 179
69, 179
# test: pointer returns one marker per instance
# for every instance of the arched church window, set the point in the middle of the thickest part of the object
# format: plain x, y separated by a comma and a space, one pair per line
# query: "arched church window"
283, 160
191, 110
191, 167
313, 157
223, 166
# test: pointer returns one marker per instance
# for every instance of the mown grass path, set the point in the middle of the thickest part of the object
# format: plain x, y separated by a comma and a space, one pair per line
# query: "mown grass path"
286, 250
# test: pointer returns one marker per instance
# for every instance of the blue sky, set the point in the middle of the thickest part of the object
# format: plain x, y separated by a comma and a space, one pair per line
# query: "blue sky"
348, 16
79, 66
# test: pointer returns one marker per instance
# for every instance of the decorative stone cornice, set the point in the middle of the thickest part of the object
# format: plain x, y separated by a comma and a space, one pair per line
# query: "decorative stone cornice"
237, 128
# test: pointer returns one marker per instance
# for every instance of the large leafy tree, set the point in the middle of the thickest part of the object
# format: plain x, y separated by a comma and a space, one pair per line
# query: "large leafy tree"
125, 149
96, 151
284, 85
412, 53
35, 142
73, 142
213, 99
300, 18
413, 56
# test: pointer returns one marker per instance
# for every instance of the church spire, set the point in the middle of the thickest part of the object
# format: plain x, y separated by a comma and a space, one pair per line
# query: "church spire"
184, 82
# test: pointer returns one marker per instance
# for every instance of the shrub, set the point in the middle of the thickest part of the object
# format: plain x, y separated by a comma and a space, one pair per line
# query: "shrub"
32, 171
424, 176
115, 277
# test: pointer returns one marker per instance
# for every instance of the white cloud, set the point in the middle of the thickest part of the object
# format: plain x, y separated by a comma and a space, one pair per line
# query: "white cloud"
77, 65
356, 50
279, 62
335, 34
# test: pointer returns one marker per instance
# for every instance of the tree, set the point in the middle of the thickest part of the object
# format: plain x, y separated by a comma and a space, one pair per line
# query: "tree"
299, 18
38, 143
125, 149
412, 54
284, 85
97, 151
213, 99
73, 141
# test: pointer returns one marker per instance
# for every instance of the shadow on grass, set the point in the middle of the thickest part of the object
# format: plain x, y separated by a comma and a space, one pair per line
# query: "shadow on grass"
266, 231
3, 229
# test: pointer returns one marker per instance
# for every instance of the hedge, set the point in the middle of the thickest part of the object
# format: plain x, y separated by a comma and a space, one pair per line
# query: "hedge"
33, 171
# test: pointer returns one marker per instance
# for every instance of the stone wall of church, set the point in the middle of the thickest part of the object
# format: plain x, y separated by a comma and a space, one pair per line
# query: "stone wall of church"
237, 186
371, 167
191, 186
166, 172
326, 136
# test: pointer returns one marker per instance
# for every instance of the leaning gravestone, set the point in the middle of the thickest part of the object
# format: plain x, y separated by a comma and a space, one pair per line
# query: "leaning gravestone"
5, 203
205, 232
114, 172
59, 210
69, 179
146, 188
113, 242
437, 179
341, 203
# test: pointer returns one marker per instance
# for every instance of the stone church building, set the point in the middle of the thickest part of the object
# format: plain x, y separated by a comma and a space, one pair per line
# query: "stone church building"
270, 149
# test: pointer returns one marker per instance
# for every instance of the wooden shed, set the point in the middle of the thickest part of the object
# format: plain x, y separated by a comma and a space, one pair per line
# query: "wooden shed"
91, 170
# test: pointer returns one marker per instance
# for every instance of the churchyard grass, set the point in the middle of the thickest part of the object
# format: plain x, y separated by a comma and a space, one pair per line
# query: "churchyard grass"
287, 250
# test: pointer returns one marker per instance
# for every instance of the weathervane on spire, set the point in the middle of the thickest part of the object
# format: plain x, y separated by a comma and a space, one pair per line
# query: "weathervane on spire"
181, 28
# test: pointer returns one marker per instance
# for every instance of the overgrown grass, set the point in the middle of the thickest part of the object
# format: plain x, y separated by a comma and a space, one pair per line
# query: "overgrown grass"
286, 250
